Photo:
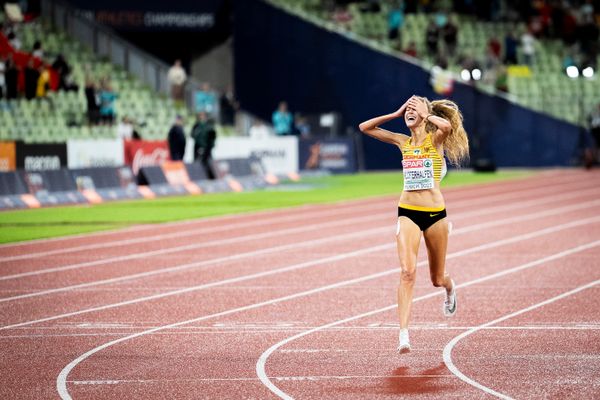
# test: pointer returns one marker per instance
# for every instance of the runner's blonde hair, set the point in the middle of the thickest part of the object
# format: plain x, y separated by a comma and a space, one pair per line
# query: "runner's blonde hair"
456, 144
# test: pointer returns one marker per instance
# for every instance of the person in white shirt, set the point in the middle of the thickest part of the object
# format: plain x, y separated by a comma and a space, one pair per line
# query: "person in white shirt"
125, 129
528, 47
259, 130
177, 77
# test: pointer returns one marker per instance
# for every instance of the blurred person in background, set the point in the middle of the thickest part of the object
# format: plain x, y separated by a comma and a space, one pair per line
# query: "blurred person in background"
436, 131
11, 75
228, 106
450, 36
107, 99
176, 139
93, 108
205, 100
176, 78
200, 133
282, 120
125, 129
13, 40
38, 51
432, 34
396, 22
259, 130
62, 69
43, 83
510, 48
528, 47
32, 75
2, 77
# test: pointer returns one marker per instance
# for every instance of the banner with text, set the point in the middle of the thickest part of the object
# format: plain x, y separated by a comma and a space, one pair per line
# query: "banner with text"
41, 156
334, 155
279, 155
143, 153
87, 153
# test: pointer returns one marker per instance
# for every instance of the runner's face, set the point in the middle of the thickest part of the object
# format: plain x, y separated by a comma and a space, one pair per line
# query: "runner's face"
411, 118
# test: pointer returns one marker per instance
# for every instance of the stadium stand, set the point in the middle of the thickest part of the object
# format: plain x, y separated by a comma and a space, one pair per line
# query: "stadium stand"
564, 98
62, 114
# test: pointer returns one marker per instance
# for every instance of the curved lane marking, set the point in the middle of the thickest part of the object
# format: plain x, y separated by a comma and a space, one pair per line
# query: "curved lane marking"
262, 361
450, 346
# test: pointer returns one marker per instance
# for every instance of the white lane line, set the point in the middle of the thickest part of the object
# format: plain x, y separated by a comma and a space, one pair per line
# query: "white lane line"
158, 252
192, 232
262, 361
367, 250
160, 271
220, 332
317, 213
252, 379
196, 246
448, 349
61, 379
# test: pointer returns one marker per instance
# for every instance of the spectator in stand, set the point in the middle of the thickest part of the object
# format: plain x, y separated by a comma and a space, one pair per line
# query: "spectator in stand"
450, 36
43, 83
491, 65
125, 129
411, 50
528, 47
32, 75
13, 40
501, 83
62, 69
12, 78
259, 130
594, 123
107, 99
206, 100
302, 127
93, 109
38, 51
200, 133
510, 48
228, 106
2, 77
396, 22
176, 139
282, 120
588, 34
177, 77
342, 16
495, 47
431, 38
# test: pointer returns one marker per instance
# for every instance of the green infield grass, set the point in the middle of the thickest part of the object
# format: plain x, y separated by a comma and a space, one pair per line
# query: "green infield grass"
59, 221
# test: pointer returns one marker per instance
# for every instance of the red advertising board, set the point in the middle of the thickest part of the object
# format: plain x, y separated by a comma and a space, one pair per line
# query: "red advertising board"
143, 153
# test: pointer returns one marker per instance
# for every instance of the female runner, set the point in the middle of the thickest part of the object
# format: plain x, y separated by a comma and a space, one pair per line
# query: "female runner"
436, 130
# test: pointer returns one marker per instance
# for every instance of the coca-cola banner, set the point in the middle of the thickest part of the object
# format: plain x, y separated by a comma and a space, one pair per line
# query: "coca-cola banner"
143, 153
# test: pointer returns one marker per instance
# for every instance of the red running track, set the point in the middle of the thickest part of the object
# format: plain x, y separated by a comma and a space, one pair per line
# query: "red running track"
299, 303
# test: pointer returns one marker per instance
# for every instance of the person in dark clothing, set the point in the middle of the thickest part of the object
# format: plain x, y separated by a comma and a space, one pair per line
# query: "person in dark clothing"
31, 80
176, 140
431, 38
199, 133
510, 48
206, 156
62, 69
12, 77
93, 108
229, 106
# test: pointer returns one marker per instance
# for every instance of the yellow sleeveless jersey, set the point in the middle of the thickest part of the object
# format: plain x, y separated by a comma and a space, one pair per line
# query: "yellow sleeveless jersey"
422, 165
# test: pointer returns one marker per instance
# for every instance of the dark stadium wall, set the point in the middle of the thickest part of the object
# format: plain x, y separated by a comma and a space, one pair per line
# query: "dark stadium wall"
279, 56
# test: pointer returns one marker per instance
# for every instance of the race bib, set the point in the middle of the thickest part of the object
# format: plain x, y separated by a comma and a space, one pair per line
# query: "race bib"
418, 174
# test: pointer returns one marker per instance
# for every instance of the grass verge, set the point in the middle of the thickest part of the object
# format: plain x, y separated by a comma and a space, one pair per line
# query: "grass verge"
59, 221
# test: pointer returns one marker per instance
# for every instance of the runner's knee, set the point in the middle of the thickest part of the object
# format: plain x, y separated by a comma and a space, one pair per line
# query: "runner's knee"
438, 281
408, 274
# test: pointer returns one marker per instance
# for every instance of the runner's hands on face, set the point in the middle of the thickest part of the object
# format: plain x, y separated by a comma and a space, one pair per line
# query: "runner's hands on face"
400, 112
419, 106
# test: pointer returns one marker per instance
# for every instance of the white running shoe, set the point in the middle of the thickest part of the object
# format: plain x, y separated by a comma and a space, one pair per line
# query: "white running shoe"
450, 302
403, 342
